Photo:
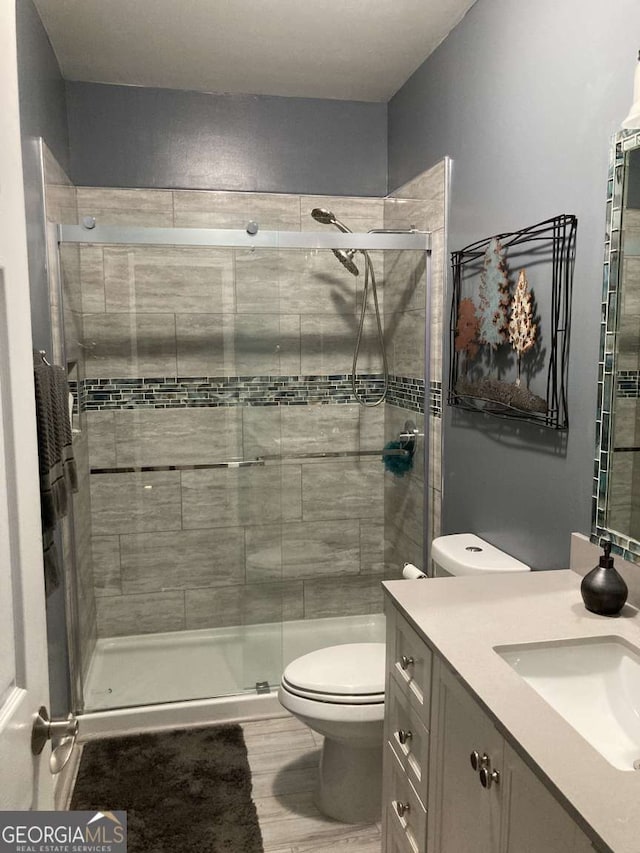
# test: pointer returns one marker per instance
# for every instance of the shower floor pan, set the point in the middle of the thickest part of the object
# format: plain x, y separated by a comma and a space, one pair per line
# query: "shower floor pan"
188, 677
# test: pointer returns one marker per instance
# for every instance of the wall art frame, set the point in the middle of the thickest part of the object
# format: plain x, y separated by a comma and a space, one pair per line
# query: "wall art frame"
550, 246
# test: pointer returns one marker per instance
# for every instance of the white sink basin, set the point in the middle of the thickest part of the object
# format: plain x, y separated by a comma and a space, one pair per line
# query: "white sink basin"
594, 684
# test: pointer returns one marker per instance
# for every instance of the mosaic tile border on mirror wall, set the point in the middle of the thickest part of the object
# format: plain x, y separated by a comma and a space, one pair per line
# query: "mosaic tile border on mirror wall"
610, 382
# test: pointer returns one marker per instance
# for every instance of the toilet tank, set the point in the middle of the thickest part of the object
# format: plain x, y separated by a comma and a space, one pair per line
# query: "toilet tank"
467, 554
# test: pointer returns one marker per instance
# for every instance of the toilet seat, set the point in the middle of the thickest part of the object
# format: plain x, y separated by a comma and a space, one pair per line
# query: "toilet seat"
327, 711
350, 674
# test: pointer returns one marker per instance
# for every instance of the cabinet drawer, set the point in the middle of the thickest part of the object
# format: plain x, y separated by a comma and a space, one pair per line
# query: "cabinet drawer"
405, 813
396, 840
409, 738
410, 663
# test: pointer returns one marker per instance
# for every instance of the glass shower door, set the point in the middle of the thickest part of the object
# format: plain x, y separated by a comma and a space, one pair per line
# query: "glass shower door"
183, 510
235, 487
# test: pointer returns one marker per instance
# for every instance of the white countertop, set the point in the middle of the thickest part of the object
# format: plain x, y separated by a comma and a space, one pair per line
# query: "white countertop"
464, 618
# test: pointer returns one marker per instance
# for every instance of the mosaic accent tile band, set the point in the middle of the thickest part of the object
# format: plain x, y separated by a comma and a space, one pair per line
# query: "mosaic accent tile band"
628, 383
207, 391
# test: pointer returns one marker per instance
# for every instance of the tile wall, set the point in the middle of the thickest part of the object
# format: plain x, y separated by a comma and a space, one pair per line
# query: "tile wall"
419, 204
624, 493
211, 357
191, 361
61, 207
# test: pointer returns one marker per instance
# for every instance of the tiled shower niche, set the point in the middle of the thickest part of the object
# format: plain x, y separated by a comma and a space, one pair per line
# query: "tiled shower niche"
215, 381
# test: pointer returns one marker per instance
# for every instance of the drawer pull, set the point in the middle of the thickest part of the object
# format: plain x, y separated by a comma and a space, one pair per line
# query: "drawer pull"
402, 809
478, 761
406, 662
404, 736
489, 777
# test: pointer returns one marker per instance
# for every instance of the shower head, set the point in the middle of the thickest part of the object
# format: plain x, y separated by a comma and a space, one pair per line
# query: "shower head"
325, 217
346, 259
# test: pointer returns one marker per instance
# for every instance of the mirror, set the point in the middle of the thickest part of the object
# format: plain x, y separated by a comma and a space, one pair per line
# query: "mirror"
616, 497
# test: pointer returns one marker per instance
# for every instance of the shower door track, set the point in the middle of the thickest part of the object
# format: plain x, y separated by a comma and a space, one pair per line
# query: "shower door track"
419, 241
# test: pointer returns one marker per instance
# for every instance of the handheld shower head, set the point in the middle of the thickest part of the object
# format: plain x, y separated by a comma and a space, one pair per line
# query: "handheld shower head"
326, 217
322, 215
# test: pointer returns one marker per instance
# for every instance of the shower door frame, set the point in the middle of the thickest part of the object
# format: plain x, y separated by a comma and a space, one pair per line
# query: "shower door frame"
91, 233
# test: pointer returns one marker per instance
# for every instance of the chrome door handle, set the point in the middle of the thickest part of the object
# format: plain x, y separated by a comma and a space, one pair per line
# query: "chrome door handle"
45, 729
404, 736
406, 662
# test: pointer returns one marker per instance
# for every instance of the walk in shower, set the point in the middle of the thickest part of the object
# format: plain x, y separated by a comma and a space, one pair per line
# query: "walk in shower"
234, 511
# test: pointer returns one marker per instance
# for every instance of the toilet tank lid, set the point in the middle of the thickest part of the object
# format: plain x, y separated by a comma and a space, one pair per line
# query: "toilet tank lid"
467, 554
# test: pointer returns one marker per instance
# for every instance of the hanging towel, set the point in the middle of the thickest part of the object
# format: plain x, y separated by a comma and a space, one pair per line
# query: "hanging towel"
58, 475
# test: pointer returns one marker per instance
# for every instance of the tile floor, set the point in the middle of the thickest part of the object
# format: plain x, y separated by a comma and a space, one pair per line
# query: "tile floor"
283, 756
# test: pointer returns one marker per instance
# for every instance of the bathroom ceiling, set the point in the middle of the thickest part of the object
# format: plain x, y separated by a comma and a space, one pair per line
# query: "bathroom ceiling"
344, 49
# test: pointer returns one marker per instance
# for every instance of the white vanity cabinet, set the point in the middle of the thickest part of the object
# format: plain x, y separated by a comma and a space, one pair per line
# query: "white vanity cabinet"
434, 801
499, 807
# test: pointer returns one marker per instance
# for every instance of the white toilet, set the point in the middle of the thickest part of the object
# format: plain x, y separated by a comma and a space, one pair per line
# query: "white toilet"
339, 693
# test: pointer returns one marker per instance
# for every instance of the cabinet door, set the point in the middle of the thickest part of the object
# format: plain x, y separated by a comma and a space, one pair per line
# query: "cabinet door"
532, 819
466, 816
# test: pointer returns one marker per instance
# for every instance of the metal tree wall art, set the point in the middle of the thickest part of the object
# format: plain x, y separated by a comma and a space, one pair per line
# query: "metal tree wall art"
494, 297
467, 329
522, 329
494, 318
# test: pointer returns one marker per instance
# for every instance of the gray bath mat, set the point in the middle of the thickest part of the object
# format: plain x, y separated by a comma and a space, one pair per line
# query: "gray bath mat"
182, 790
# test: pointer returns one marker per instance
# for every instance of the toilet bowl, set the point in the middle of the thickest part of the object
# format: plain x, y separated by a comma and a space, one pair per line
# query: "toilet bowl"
339, 693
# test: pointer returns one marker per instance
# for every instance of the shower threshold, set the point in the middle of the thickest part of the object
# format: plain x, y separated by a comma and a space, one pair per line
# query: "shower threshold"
210, 664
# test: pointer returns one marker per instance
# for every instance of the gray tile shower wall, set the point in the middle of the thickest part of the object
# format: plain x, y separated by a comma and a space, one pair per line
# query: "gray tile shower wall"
419, 204
205, 357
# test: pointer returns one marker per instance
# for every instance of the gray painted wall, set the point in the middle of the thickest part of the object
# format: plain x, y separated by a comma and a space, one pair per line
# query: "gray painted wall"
525, 101
42, 89
125, 136
42, 113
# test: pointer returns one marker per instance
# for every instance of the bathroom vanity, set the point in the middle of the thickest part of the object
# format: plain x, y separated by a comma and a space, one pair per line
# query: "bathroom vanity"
476, 760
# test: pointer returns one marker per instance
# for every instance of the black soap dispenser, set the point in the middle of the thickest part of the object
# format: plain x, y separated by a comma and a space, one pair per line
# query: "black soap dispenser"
603, 589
